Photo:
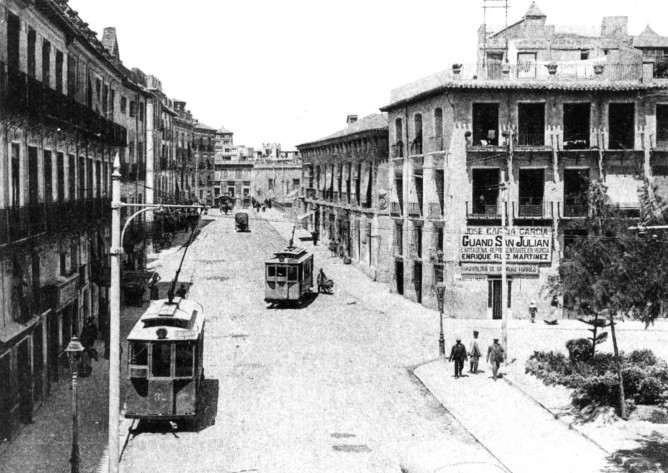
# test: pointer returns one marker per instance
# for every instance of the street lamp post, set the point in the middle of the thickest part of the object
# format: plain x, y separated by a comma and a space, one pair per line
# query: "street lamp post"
440, 292
74, 351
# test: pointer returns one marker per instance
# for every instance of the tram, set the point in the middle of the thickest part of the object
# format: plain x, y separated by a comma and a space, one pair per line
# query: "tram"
165, 371
288, 275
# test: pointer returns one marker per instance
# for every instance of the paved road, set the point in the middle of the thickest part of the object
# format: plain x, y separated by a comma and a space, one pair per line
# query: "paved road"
322, 388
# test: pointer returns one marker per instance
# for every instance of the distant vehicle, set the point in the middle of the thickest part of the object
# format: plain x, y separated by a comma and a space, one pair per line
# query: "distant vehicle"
448, 456
165, 370
288, 275
241, 222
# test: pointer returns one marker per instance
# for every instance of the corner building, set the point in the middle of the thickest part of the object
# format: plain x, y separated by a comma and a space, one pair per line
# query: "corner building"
540, 129
345, 195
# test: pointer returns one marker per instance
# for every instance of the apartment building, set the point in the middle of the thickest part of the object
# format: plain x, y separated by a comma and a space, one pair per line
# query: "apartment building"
204, 138
345, 193
518, 141
60, 128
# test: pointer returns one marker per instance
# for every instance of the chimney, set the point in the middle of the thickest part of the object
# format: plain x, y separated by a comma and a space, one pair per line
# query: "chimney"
350, 119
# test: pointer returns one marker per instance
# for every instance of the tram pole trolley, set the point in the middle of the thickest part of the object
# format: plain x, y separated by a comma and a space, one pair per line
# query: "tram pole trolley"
288, 275
165, 353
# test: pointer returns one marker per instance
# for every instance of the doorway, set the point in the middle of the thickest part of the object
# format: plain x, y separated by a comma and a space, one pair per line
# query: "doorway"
494, 296
399, 272
417, 280
24, 369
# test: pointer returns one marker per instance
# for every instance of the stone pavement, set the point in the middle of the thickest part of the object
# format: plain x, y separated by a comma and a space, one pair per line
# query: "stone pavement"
522, 435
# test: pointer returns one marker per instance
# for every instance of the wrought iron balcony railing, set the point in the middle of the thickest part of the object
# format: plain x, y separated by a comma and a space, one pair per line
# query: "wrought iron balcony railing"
484, 211
575, 208
414, 209
529, 208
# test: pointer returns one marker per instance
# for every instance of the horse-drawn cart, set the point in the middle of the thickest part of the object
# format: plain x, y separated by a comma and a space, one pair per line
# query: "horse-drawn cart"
134, 285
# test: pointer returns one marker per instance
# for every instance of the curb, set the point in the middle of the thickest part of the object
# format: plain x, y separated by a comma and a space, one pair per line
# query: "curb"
633, 466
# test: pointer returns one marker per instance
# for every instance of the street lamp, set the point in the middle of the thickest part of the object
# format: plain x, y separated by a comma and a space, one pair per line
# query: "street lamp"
74, 351
440, 292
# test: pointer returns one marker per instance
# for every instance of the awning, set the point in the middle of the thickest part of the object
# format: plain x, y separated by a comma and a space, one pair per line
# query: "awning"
306, 215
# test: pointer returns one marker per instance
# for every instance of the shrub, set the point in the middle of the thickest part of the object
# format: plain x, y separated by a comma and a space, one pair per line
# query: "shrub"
597, 390
643, 357
650, 391
633, 376
579, 349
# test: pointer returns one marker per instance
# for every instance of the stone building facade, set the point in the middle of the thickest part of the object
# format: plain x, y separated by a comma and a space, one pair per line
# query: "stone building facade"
458, 138
60, 127
345, 191
277, 181
204, 138
184, 125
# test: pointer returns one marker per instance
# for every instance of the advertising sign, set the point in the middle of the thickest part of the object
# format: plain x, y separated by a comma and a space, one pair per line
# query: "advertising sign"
523, 245
495, 269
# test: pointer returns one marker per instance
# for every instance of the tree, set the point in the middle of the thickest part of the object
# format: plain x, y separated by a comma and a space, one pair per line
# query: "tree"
613, 271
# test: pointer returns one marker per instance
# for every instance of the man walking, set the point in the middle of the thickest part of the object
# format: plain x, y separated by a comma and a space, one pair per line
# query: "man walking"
458, 354
475, 353
495, 357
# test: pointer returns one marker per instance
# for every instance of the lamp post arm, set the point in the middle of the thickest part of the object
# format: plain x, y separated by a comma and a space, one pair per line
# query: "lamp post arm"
133, 216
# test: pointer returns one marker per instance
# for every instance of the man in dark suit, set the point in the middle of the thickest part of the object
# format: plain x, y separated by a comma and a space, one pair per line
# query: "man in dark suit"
458, 354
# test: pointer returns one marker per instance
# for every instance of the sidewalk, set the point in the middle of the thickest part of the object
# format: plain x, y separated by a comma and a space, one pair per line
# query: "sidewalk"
522, 435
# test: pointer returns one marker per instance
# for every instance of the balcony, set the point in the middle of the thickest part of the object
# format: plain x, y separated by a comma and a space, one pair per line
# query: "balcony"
311, 193
414, 209
398, 149
27, 97
533, 209
435, 211
479, 211
416, 146
530, 140
395, 209
628, 209
575, 208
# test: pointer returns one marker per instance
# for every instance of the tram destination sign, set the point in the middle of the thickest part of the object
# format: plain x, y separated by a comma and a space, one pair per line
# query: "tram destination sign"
529, 245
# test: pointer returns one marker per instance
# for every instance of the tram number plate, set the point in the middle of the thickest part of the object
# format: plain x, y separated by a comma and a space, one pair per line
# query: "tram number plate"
159, 397
185, 333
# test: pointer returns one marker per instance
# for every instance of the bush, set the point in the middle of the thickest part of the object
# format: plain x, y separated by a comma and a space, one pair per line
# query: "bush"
643, 358
579, 349
650, 391
633, 377
597, 390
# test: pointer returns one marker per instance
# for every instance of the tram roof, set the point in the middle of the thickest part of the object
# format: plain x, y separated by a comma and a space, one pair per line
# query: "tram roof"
181, 320
294, 254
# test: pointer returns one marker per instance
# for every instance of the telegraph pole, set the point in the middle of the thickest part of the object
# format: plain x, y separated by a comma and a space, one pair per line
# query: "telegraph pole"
504, 291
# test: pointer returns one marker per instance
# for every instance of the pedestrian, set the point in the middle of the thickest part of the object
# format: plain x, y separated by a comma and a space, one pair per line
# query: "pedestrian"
458, 354
332, 247
153, 287
495, 355
532, 311
475, 353
315, 235
181, 292
554, 311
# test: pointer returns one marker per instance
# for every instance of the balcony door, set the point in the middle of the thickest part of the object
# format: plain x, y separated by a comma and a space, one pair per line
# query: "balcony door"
576, 185
532, 188
485, 191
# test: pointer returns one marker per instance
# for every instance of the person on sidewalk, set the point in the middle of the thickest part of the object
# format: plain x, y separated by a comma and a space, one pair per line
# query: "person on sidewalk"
314, 236
458, 354
532, 311
554, 312
495, 355
474, 353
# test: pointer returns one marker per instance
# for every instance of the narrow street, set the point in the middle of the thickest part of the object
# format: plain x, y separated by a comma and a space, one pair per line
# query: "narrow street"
322, 388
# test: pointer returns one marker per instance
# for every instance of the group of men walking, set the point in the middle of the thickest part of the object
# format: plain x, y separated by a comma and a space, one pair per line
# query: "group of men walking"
459, 354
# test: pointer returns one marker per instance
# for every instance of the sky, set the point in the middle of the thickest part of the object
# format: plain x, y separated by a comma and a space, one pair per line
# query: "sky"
290, 71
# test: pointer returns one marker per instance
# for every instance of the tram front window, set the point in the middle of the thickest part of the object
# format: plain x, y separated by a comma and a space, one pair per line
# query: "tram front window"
281, 271
139, 354
161, 360
271, 271
292, 273
184, 361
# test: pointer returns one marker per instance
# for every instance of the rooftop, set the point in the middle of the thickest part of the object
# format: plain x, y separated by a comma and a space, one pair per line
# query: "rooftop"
650, 39
222, 129
377, 121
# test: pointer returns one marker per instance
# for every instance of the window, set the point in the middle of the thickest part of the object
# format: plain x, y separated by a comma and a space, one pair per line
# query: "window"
292, 273
621, 125
398, 137
105, 99
141, 111
485, 191
32, 44
584, 54
184, 360
398, 239
438, 129
416, 145
48, 177
576, 125
270, 184
281, 271
46, 62
13, 41
295, 183
16, 181
71, 76
271, 271
124, 105
81, 182
485, 124
139, 354
576, 185
59, 71
531, 190
71, 176
662, 126
161, 366
526, 65
33, 183
133, 109
531, 124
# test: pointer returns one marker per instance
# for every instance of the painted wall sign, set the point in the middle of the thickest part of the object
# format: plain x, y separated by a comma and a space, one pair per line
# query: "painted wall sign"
495, 269
523, 245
